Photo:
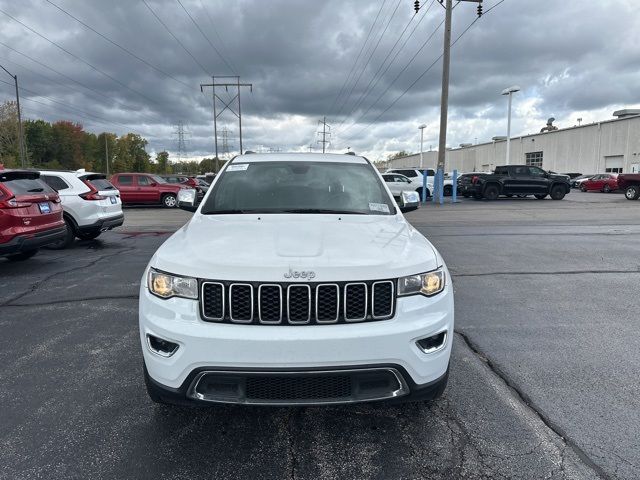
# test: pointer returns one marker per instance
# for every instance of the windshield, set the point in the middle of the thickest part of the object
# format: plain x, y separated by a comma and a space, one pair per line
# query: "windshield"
158, 179
299, 187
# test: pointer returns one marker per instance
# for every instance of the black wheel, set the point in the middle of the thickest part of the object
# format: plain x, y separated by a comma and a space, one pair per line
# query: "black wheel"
477, 196
447, 190
583, 188
68, 238
18, 257
557, 192
169, 201
491, 192
606, 188
420, 193
466, 195
540, 196
89, 235
632, 192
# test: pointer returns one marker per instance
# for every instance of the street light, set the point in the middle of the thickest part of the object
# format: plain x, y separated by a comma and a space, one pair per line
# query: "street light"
421, 127
21, 139
509, 91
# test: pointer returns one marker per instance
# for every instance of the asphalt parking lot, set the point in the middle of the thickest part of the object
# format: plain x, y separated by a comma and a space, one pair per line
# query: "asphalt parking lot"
544, 377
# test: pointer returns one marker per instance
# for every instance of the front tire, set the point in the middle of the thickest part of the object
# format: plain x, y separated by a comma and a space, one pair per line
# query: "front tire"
632, 192
19, 257
583, 188
169, 201
557, 192
68, 238
491, 192
447, 190
419, 190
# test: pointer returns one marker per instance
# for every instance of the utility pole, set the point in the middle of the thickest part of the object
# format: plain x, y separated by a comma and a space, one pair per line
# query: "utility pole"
324, 133
310, 148
106, 153
182, 149
23, 159
227, 105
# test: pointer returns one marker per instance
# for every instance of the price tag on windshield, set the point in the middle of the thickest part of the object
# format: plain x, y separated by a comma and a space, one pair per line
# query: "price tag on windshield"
239, 167
379, 207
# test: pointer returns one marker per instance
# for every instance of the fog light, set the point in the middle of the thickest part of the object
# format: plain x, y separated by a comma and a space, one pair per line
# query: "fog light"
433, 343
161, 347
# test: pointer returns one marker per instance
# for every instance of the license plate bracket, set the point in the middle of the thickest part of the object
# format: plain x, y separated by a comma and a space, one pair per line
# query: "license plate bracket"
113, 200
44, 207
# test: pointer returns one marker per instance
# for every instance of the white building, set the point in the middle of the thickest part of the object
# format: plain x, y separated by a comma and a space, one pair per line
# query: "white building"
608, 146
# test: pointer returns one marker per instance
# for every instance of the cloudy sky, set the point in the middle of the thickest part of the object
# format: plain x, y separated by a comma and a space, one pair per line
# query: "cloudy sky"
370, 66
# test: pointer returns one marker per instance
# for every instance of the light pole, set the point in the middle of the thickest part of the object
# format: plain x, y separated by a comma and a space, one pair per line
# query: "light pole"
509, 91
21, 139
421, 127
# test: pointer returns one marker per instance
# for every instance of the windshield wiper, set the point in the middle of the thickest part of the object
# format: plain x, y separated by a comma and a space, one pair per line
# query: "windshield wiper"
230, 212
36, 190
323, 210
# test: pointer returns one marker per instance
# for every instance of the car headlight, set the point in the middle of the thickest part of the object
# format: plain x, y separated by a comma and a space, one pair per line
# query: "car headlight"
428, 284
164, 285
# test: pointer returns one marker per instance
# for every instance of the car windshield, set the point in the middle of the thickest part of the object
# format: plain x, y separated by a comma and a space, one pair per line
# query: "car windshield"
299, 187
158, 179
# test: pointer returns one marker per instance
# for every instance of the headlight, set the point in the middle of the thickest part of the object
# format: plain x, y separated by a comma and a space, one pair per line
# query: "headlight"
165, 285
429, 284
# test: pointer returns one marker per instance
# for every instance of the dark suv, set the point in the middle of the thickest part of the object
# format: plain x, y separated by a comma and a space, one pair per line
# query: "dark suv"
525, 180
146, 188
30, 214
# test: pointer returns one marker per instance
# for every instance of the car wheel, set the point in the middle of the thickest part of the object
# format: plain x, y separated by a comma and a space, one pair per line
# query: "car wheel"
18, 257
420, 193
466, 195
89, 235
583, 188
606, 188
491, 192
540, 196
632, 192
447, 190
169, 200
557, 192
477, 196
68, 238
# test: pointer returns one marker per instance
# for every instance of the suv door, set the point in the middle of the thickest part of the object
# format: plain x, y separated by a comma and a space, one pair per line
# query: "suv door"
147, 189
127, 188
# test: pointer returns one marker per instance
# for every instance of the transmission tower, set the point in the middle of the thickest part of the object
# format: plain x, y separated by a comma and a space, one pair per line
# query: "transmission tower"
226, 148
180, 133
324, 133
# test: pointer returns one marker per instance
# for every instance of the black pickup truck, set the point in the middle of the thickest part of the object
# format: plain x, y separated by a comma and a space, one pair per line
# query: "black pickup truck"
513, 180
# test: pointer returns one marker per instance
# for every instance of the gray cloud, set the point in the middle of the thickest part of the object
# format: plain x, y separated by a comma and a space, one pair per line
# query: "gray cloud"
570, 58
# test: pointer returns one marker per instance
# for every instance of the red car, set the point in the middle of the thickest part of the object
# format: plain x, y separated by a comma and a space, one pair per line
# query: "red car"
146, 188
30, 214
604, 182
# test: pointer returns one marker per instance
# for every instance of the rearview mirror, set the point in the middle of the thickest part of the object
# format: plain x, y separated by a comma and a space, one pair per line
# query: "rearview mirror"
187, 199
409, 200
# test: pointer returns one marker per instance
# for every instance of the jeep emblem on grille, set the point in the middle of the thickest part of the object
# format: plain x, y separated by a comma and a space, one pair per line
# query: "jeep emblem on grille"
300, 274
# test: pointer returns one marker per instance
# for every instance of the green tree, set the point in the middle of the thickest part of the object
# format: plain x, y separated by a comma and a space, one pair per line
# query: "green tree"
38, 139
67, 140
9, 138
162, 162
130, 154
99, 164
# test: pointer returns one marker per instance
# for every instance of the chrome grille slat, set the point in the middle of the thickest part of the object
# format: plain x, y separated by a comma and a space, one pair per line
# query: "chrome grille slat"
297, 303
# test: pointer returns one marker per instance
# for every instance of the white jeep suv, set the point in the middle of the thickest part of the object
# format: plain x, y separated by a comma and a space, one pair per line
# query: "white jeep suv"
91, 205
296, 281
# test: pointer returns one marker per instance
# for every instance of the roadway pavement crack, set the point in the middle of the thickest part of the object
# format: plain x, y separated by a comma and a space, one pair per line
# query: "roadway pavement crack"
554, 427
37, 284
73, 300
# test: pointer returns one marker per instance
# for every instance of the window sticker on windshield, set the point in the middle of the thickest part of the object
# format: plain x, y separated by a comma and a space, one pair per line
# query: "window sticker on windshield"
379, 207
238, 167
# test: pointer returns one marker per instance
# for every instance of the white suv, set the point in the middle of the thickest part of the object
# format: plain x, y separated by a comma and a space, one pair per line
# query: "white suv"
417, 173
90, 203
296, 281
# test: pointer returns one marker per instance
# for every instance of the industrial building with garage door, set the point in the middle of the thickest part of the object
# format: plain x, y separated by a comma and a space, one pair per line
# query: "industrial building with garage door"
610, 146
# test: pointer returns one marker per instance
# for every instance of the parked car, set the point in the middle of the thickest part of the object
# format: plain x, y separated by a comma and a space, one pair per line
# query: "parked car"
145, 188
465, 183
30, 214
604, 182
207, 177
576, 182
630, 184
190, 182
328, 295
90, 203
204, 186
572, 175
399, 183
520, 180
417, 173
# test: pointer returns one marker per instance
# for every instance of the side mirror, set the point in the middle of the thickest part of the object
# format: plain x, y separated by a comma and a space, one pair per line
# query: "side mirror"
187, 199
153, 184
409, 201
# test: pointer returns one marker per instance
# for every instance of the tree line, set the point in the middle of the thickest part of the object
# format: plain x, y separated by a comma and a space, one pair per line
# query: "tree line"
65, 145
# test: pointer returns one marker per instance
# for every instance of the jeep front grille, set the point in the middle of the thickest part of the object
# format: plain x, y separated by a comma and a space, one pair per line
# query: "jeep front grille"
297, 303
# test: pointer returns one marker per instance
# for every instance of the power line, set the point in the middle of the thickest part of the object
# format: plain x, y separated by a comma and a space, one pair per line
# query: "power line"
376, 78
353, 66
80, 59
206, 38
324, 133
215, 30
426, 70
364, 67
129, 52
175, 38
424, 44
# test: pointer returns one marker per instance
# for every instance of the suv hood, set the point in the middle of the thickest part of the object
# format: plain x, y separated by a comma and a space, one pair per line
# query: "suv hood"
266, 247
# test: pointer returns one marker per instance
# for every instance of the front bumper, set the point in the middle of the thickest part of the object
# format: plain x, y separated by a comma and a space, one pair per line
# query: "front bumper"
24, 243
209, 346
